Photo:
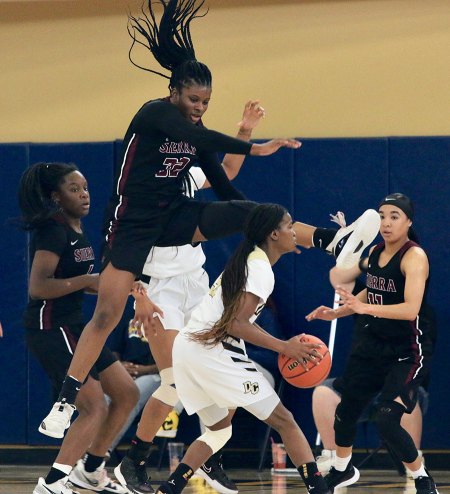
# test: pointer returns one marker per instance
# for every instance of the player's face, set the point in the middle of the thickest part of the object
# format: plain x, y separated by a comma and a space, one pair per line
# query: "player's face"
73, 195
286, 235
192, 101
394, 223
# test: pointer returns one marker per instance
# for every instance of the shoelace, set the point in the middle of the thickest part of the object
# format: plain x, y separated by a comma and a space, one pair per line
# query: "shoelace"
339, 218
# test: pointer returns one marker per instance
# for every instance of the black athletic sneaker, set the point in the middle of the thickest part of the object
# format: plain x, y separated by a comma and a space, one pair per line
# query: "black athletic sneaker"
337, 479
425, 485
214, 474
133, 477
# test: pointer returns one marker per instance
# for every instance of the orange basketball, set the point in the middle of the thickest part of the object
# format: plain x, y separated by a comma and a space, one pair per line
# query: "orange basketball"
295, 374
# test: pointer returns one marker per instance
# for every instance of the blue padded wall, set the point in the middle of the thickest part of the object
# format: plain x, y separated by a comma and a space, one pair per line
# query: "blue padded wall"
324, 176
13, 290
330, 175
421, 169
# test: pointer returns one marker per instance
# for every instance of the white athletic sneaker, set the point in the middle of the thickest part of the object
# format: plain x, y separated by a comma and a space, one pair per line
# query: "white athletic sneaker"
97, 481
58, 420
350, 241
59, 487
326, 460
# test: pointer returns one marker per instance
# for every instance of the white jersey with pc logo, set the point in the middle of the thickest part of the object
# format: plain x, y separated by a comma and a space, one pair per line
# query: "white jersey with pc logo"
222, 376
260, 282
166, 262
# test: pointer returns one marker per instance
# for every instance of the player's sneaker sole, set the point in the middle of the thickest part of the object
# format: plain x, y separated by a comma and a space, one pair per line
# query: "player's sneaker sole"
360, 235
79, 477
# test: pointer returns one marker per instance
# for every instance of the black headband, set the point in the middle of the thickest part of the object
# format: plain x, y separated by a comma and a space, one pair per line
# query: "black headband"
401, 201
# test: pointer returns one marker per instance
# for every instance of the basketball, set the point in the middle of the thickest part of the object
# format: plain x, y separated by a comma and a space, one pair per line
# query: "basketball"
294, 373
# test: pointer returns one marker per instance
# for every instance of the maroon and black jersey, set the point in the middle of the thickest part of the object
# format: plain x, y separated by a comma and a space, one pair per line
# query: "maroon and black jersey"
76, 258
160, 146
386, 286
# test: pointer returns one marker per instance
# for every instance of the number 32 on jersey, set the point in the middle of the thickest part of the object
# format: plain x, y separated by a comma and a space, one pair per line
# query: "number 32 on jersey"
173, 167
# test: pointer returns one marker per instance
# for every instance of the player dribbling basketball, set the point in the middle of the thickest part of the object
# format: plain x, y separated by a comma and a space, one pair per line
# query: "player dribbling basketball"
211, 368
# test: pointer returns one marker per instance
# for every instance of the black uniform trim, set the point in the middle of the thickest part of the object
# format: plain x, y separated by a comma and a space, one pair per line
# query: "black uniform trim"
232, 348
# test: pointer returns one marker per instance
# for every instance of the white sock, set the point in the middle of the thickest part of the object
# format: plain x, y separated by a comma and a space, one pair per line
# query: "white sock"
419, 473
63, 468
342, 463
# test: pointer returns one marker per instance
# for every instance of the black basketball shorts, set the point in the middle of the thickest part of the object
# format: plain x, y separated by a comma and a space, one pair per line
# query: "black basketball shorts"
54, 350
136, 229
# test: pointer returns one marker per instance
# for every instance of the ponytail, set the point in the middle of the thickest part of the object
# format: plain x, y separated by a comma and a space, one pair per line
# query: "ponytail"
261, 222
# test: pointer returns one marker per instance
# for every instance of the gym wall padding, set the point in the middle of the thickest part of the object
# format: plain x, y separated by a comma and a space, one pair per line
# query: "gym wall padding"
323, 176
13, 293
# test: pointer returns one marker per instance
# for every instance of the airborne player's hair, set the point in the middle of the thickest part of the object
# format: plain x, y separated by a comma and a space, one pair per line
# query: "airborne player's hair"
170, 41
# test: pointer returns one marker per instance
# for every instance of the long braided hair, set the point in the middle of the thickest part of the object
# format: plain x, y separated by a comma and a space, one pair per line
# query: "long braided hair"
36, 186
261, 222
170, 41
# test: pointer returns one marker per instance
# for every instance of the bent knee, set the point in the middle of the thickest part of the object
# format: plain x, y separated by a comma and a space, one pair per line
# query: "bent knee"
281, 417
127, 395
105, 319
93, 406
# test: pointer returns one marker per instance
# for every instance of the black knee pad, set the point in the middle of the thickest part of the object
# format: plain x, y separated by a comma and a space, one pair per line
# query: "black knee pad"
220, 219
345, 420
388, 417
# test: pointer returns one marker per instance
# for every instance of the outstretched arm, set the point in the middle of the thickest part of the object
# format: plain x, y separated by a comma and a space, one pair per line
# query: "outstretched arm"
252, 115
166, 117
232, 163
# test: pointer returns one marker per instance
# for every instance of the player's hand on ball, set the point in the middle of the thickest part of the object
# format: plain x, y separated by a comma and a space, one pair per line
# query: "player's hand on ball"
302, 351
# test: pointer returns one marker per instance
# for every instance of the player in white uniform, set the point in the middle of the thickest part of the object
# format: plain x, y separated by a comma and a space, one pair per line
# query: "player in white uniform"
212, 370
174, 276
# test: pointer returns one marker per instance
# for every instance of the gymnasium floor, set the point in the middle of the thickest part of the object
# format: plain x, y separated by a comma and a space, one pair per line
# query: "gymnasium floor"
21, 480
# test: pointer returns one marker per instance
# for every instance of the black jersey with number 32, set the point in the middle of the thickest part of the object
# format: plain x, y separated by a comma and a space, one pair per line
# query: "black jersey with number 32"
160, 146
76, 258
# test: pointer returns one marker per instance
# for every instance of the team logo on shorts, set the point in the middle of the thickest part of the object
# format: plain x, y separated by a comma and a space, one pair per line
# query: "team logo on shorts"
250, 387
